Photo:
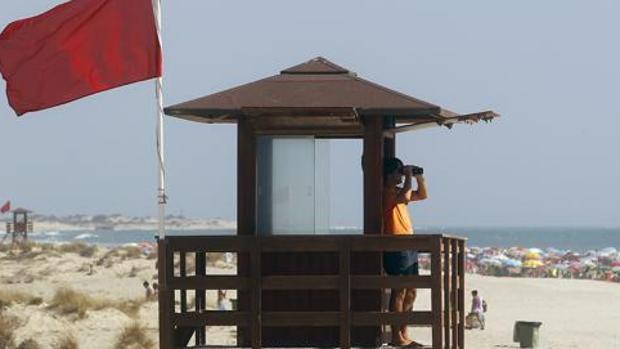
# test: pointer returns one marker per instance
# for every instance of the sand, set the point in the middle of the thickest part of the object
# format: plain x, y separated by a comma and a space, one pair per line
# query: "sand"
574, 313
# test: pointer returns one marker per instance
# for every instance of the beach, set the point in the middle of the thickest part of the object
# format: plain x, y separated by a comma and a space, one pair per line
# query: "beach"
574, 313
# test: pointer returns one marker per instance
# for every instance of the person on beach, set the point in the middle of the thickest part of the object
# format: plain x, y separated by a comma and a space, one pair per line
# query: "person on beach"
148, 291
221, 300
478, 308
397, 194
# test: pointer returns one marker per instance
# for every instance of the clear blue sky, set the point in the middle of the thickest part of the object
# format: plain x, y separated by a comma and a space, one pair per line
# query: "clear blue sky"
550, 68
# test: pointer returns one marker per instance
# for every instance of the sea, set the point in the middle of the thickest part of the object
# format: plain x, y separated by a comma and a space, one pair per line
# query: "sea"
571, 238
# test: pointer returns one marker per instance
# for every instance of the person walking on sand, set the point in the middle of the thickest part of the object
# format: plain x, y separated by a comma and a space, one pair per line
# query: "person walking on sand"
397, 194
221, 300
148, 291
478, 307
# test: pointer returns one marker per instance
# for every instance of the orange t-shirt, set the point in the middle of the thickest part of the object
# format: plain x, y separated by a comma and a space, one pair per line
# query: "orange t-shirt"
396, 219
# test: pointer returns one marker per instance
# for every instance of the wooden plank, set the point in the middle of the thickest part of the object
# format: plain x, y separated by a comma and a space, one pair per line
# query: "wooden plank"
454, 288
210, 282
201, 296
365, 282
436, 294
211, 318
183, 274
211, 243
392, 243
256, 296
300, 244
372, 163
461, 301
392, 318
300, 282
345, 296
305, 318
446, 290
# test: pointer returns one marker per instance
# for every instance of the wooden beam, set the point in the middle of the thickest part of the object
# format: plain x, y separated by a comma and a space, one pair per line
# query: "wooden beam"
246, 179
373, 175
246, 210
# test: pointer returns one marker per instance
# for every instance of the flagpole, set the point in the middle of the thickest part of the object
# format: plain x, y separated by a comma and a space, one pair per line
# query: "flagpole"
161, 190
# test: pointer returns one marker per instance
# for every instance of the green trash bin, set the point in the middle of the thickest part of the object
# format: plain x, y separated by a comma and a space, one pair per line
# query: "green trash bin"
526, 333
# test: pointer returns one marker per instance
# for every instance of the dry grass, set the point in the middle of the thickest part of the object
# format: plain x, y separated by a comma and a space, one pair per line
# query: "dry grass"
134, 336
67, 342
7, 326
131, 252
8, 298
29, 344
130, 307
80, 248
67, 301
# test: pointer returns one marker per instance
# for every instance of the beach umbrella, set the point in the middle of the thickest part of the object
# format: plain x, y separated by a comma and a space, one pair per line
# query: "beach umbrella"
615, 264
535, 250
616, 269
532, 263
512, 263
531, 255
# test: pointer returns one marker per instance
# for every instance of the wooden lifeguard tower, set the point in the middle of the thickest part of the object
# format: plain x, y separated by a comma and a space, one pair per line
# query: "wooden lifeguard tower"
21, 225
298, 285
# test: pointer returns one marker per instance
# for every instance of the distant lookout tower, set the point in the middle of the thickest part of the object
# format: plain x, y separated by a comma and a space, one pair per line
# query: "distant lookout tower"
20, 227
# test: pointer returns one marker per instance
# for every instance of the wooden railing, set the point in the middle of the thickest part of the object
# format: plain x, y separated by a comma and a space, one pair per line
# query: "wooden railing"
19, 227
446, 284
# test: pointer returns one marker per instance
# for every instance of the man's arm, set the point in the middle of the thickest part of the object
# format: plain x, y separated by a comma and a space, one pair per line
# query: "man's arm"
420, 193
404, 194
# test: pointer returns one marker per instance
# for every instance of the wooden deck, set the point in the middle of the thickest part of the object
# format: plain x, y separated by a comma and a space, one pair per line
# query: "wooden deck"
178, 326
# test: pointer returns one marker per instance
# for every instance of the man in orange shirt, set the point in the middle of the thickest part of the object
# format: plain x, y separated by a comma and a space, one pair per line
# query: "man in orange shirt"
396, 221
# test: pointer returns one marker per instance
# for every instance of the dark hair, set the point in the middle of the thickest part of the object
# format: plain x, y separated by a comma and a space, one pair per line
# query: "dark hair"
146, 283
390, 165
474, 292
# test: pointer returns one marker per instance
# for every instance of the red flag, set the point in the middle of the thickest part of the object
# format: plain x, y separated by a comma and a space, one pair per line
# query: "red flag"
76, 49
6, 207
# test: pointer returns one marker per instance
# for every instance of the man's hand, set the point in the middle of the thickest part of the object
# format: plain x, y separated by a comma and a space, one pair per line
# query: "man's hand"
408, 171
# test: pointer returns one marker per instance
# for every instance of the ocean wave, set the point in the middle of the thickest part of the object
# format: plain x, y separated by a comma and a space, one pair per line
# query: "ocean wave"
86, 236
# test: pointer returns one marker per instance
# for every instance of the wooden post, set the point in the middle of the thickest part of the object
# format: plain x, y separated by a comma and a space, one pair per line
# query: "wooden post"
345, 295
436, 292
373, 175
372, 162
454, 286
446, 290
246, 209
201, 296
389, 143
166, 296
461, 301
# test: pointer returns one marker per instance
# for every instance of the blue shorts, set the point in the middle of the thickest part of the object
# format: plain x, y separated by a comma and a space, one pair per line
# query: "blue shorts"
401, 263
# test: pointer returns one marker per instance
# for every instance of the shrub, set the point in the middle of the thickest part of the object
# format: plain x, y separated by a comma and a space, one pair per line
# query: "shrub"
134, 336
7, 298
67, 301
7, 326
80, 248
130, 307
29, 344
67, 342
132, 252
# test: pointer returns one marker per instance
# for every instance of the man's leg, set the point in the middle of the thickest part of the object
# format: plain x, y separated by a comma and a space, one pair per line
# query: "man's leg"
397, 300
410, 296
